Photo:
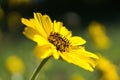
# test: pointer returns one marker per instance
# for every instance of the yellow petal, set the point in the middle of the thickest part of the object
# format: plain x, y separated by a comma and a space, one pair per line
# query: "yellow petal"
91, 55
39, 24
83, 62
47, 24
27, 22
34, 35
43, 51
74, 59
35, 25
30, 32
30, 23
66, 57
87, 53
77, 41
89, 60
40, 40
56, 54
69, 35
64, 31
57, 26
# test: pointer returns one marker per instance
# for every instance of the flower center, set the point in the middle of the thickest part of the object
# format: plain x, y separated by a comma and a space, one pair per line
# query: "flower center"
62, 43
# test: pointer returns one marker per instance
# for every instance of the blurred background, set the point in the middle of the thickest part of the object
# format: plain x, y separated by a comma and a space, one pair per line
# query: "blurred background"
78, 16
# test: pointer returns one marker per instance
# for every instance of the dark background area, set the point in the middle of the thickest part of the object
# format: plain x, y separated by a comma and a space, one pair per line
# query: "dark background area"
76, 15
100, 10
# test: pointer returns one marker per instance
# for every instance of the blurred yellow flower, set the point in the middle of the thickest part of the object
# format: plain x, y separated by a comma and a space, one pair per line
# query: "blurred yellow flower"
13, 21
76, 77
98, 35
15, 65
13, 3
53, 38
109, 70
1, 13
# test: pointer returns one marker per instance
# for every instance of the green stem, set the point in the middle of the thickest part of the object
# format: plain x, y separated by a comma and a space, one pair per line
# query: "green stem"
35, 73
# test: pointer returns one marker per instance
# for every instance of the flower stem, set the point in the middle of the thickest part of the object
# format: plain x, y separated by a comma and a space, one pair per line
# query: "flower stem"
35, 73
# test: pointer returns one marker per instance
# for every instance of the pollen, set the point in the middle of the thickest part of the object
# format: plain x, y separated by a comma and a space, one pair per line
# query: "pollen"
61, 42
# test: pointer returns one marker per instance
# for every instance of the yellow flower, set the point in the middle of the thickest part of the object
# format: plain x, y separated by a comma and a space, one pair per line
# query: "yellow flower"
1, 13
13, 3
53, 38
109, 71
98, 34
76, 77
15, 65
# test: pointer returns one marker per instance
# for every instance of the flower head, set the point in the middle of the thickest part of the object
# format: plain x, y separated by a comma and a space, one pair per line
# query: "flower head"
53, 39
98, 34
108, 69
15, 65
